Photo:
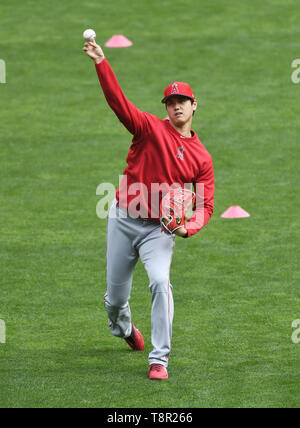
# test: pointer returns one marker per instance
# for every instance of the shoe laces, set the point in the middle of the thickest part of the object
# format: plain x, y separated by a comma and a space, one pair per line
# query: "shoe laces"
156, 367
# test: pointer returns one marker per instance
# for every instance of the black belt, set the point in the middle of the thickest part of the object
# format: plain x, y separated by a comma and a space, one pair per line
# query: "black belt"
140, 218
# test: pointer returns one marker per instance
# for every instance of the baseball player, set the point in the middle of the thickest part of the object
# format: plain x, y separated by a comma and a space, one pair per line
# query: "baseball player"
163, 152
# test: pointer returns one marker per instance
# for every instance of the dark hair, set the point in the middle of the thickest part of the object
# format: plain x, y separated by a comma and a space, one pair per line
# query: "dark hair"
192, 102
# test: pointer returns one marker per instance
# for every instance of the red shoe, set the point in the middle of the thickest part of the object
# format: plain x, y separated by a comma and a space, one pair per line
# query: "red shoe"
135, 340
157, 371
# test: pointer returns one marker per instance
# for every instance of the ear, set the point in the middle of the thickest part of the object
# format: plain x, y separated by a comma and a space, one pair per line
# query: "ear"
195, 105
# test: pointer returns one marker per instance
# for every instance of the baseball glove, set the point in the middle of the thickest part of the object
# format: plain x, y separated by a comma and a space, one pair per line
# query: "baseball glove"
175, 206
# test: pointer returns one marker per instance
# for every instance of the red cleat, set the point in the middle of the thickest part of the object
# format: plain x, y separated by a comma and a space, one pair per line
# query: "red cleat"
135, 340
157, 371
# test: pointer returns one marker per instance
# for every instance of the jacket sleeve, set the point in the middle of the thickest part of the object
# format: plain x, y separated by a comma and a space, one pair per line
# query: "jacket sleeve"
203, 209
132, 118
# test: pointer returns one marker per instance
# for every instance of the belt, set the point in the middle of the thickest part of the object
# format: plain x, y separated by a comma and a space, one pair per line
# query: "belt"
148, 219
140, 218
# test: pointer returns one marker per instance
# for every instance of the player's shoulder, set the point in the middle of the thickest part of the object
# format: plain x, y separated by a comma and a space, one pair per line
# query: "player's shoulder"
203, 150
151, 119
155, 119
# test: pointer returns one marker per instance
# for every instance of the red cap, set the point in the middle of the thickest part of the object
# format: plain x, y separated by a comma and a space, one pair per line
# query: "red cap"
178, 88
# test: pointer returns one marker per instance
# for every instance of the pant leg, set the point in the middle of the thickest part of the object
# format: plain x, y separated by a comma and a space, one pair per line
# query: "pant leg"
156, 252
121, 259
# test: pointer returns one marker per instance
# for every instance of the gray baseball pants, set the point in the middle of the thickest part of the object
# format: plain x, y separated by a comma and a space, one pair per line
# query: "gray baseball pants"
127, 240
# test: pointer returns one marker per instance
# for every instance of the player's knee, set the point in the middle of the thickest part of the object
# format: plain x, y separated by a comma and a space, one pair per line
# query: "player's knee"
159, 283
115, 301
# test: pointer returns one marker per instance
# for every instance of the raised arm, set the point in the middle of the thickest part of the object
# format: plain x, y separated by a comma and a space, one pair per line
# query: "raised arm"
132, 118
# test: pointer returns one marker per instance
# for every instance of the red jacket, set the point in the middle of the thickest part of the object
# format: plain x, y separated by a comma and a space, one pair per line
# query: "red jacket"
158, 155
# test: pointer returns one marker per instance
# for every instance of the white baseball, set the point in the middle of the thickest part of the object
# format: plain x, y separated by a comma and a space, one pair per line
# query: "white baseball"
89, 35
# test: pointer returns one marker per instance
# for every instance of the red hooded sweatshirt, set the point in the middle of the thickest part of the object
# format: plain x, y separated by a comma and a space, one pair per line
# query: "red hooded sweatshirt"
158, 157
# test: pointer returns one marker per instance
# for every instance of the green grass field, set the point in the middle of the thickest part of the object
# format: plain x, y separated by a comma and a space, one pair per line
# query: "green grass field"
236, 283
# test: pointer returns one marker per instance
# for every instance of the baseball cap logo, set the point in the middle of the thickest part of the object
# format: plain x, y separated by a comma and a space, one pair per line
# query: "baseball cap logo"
178, 88
175, 89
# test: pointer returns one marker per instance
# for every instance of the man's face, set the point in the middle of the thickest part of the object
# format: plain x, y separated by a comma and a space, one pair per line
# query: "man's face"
180, 109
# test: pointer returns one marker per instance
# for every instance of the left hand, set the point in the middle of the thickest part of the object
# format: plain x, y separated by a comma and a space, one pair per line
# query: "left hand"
179, 232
